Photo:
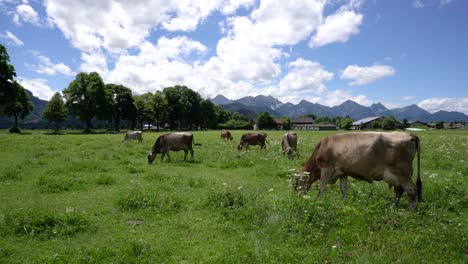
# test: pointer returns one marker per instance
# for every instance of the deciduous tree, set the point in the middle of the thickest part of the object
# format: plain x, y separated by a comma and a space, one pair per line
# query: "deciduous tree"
18, 104
87, 98
55, 110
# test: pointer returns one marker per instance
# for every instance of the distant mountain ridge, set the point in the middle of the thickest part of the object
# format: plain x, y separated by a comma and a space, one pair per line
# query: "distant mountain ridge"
349, 108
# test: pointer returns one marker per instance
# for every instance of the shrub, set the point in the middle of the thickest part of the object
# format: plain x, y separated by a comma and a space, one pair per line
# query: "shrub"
15, 130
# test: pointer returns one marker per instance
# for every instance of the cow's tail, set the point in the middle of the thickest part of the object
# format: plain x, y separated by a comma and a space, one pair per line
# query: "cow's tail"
418, 181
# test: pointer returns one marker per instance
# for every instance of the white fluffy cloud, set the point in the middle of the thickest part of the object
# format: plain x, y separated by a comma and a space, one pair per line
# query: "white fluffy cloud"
46, 66
118, 25
337, 28
24, 13
305, 76
364, 75
9, 37
448, 104
38, 87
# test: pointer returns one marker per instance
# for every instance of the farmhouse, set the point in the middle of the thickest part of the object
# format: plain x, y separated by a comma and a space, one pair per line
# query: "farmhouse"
280, 123
323, 127
366, 123
302, 123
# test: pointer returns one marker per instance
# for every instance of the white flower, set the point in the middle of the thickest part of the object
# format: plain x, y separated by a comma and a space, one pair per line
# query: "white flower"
270, 190
240, 187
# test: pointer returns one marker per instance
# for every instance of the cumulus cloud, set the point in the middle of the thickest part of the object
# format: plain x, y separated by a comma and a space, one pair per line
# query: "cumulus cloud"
38, 87
24, 13
118, 25
9, 37
339, 26
448, 104
364, 75
46, 66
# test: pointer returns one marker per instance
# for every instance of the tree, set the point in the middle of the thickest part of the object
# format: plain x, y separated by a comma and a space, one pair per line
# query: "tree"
144, 105
7, 74
87, 98
375, 125
183, 107
160, 109
239, 117
122, 104
208, 114
55, 110
265, 121
439, 124
389, 123
287, 123
346, 123
18, 104
405, 123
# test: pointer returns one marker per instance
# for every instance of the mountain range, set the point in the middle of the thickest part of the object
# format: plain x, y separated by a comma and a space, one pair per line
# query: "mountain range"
250, 106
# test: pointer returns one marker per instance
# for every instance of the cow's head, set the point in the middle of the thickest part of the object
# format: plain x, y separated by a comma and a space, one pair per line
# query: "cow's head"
155, 150
151, 157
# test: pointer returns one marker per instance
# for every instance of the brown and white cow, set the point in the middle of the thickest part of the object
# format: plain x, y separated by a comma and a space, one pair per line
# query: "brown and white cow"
289, 144
133, 135
172, 142
226, 135
368, 156
252, 139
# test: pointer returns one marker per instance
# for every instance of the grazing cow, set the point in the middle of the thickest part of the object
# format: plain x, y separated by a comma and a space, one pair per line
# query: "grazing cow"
172, 142
289, 144
226, 135
371, 156
252, 139
133, 135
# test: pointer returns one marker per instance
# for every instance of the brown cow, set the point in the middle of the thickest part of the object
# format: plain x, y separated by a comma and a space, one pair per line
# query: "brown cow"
289, 144
226, 135
252, 139
174, 142
371, 156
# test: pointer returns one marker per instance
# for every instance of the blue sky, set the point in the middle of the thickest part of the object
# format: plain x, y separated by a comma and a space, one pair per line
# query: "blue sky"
396, 52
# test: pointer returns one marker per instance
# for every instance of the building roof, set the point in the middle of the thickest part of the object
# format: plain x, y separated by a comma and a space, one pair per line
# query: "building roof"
280, 120
302, 120
365, 120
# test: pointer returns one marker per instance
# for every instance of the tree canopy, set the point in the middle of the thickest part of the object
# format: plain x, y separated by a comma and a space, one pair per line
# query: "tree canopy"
7, 74
55, 110
87, 98
265, 121
18, 104
122, 104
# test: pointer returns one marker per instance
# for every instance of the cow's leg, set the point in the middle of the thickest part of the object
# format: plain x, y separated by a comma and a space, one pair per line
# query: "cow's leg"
191, 152
325, 175
410, 189
168, 157
162, 156
185, 154
344, 187
398, 190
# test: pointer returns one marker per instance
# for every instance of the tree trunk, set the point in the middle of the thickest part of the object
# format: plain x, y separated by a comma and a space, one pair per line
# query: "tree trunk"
88, 126
117, 124
56, 127
16, 120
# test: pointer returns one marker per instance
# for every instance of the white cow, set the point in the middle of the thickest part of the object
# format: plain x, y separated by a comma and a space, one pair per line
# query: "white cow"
133, 135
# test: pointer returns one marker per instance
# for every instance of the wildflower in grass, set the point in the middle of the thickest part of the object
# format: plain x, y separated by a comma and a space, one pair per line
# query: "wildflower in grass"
240, 187
270, 190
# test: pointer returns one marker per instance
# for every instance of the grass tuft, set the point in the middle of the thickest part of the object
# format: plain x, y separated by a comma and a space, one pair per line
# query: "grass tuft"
46, 224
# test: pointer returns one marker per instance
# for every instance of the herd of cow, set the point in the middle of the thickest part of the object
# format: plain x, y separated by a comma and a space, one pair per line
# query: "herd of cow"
367, 156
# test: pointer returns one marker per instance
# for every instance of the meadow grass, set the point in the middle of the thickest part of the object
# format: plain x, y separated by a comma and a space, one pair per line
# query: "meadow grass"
75, 198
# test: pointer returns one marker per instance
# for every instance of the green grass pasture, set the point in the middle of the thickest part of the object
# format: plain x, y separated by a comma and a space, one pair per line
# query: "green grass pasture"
76, 198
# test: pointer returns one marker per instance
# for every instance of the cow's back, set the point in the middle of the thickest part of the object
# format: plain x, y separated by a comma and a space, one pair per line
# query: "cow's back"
366, 154
178, 141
